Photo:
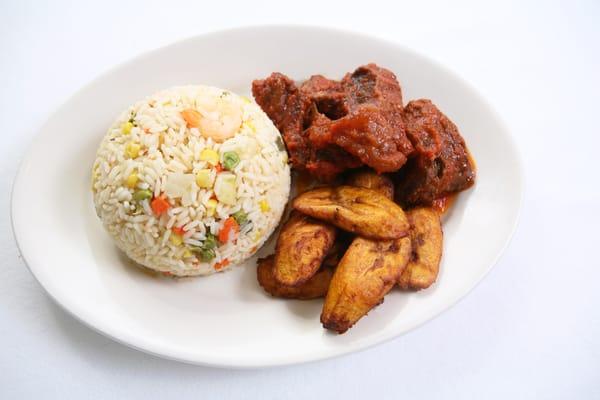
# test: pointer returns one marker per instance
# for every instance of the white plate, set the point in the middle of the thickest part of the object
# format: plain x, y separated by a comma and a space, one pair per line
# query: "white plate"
226, 319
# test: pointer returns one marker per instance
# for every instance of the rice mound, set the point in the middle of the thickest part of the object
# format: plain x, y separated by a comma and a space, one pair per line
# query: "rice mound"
181, 199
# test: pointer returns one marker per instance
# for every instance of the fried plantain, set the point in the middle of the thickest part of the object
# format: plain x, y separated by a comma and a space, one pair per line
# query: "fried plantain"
427, 244
337, 250
368, 271
313, 288
371, 180
365, 212
301, 247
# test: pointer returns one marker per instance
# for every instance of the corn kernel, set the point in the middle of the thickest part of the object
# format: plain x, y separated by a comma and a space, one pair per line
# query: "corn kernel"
264, 205
132, 180
132, 150
211, 207
176, 239
210, 156
203, 178
126, 128
187, 253
250, 125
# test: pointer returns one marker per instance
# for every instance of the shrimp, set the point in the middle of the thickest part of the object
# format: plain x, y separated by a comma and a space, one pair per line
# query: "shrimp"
218, 119
221, 119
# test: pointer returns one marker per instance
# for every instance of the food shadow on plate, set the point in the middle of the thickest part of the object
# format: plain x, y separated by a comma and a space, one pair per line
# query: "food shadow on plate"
248, 288
375, 321
131, 267
305, 309
456, 211
251, 290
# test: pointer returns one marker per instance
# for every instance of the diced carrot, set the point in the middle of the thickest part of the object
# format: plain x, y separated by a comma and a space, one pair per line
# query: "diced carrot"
222, 264
178, 230
230, 226
219, 168
159, 205
191, 117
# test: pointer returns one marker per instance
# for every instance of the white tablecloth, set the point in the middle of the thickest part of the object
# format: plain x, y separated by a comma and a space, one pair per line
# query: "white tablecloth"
531, 329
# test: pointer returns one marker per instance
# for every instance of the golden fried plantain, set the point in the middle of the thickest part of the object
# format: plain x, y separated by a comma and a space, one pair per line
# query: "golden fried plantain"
368, 271
371, 180
301, 247
365, 212
314, 288
332, 259
427, 244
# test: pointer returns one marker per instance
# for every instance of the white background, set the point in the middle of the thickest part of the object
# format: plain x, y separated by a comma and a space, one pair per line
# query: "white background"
531, 329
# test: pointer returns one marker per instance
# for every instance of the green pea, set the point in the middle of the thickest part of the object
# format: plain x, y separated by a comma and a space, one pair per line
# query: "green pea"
230, 160
143, 194
240, 217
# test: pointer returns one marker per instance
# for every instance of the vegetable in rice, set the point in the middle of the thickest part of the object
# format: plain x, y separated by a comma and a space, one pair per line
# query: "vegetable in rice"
191, 180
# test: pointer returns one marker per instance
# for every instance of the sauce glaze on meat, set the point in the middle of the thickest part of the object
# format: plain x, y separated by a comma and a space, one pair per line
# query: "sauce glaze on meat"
440, 164
331, 126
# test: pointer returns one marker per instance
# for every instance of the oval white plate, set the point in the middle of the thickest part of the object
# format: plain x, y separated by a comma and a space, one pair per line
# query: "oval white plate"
226, 319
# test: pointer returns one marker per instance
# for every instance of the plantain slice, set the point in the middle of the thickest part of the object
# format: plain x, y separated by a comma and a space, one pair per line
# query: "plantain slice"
368, 271
301, 247
371, 180
427, 244
362, 211
314, 288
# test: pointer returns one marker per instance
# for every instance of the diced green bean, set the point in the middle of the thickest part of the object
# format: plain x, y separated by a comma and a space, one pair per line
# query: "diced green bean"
143, 194
240, 217
210, 242
207, 254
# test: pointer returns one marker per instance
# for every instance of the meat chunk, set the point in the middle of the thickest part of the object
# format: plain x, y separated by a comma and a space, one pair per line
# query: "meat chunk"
440, 164
327, 95
371, 84
326, 160
379, 87
373, 130
291, 109
378, 141
281, 100
330, 126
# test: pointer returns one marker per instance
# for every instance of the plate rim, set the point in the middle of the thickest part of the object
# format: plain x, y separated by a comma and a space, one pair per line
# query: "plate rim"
518, 185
